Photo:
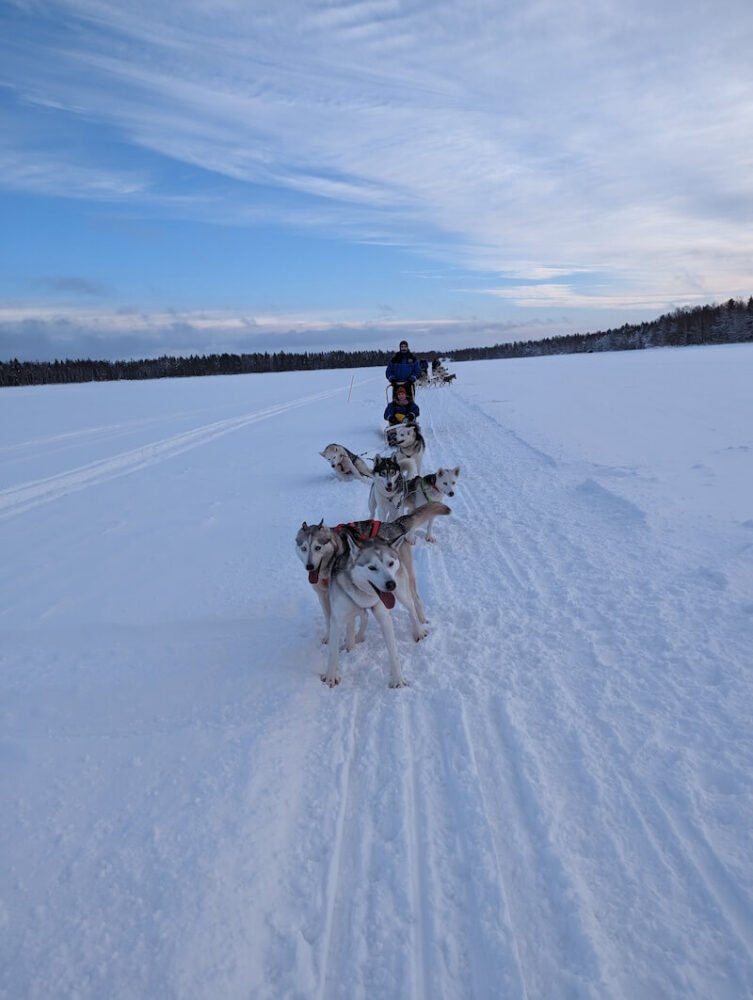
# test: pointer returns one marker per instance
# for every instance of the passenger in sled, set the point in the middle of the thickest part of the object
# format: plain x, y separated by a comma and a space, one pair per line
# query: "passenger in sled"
401, 408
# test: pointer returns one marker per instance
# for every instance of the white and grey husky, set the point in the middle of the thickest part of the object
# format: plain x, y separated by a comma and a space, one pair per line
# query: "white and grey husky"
321, 549
423, 490
409, 445
387, 489
347, 466
368, 577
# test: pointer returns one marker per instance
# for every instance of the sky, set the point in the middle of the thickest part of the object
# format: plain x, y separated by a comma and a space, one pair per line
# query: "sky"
559, 805
290, 175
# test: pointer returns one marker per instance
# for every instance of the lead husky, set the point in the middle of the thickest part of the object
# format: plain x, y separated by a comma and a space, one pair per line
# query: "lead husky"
387, 489
409, 445
369, 576
423, 490
319, 546
347, 466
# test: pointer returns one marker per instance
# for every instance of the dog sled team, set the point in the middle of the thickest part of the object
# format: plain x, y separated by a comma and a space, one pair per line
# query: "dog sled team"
438, 375
367, 565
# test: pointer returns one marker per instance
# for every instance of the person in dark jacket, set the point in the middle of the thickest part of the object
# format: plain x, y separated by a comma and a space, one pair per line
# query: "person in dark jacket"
401, 408
404, 366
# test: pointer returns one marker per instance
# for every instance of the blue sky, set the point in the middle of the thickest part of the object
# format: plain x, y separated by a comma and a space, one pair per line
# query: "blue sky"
289, 175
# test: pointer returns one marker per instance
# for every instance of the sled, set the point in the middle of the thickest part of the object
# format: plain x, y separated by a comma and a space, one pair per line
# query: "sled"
392, 387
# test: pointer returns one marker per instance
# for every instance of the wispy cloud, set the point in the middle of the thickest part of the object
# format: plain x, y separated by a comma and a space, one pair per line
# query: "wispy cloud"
74, 286
44, 172
599, 152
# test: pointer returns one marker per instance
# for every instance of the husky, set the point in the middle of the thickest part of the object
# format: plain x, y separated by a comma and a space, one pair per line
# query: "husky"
387, 493
409, 445
347, 466
422, 490
368, 576
319, 546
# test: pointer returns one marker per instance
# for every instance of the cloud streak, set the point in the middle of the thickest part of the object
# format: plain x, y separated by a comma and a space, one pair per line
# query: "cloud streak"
600, 153
50, 334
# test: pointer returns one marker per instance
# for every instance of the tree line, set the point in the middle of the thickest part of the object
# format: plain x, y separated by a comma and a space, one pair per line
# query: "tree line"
726, 323
729, 323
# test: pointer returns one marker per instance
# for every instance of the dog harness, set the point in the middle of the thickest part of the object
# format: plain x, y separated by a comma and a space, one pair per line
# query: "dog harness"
365, 530
424, 480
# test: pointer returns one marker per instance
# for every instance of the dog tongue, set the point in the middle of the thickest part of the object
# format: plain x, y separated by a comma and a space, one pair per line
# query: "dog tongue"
387, 599
314, 576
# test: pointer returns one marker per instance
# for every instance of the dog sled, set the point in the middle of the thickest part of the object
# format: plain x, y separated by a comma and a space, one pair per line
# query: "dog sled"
392, 387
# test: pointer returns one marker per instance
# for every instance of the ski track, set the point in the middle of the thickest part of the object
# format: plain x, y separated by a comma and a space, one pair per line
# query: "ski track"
534, 558
509, 806
18, 499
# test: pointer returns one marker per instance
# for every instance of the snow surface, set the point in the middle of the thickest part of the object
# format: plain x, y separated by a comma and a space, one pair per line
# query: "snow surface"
559, 806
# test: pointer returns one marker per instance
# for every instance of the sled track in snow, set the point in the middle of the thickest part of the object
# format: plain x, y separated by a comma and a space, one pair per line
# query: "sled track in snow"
502, 790
18, 499
570, 610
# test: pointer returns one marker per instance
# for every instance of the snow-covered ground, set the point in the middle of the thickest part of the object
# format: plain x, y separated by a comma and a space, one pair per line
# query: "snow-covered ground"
559, 806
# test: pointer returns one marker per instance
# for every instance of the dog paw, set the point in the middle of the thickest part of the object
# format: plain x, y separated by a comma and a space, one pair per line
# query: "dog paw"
330, 681
420, 634
401, 683
430, 538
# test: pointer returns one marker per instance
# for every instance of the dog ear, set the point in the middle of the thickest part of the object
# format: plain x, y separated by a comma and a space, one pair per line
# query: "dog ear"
457, 470
352, 544
304, 526
321, 523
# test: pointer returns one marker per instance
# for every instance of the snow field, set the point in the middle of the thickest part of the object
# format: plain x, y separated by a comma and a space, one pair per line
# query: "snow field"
558, 806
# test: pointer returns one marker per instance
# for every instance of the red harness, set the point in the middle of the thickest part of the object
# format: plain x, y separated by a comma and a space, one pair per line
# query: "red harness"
365, 531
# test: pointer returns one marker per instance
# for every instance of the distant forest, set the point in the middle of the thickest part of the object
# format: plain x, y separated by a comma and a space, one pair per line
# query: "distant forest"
728, 323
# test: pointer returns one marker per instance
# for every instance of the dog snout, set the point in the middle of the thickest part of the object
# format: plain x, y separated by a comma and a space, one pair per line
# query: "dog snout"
309, 567
451, 493
390, 585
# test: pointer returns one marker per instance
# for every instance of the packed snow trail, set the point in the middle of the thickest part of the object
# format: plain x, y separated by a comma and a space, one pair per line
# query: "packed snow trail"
553, 808
486, 832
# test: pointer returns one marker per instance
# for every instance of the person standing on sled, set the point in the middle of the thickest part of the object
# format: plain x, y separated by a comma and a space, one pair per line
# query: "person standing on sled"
401, 408
404, 366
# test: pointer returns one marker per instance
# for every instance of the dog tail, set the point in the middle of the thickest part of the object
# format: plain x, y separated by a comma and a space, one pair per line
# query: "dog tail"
429, 510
